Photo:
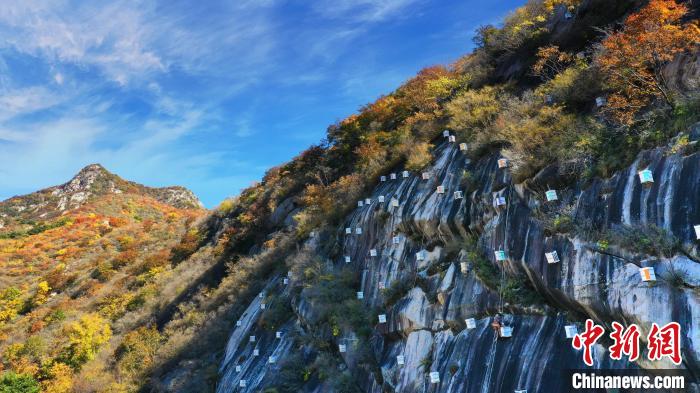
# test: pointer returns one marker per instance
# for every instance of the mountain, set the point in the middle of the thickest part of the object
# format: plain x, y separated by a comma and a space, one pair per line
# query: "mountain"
92, 182
452, 236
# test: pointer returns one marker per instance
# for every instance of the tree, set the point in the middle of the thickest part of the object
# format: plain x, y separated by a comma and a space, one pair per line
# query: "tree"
60, 379
550, 62
633, 58
42, 294
85, 338
10, 303
18, 383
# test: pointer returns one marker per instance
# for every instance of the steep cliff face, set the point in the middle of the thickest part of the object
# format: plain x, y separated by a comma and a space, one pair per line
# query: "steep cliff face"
597, 276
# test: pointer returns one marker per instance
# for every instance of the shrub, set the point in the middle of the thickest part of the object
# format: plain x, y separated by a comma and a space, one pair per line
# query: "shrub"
136, 353
10, 303
85, 337
419, 156
188, 245
473, 112
18, 383
59, 379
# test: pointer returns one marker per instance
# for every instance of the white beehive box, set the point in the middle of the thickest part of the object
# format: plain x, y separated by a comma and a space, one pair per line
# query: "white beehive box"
458, 195
697, 231
239, 323
506, 331
382, 318
521, 391
420, 256
242, 383
425, 175
238, 369
348, 231
551, 195
434, 377
278, 334
440, 189
648, 274
358, 231
382, 285
396, 240
262, 306
251, 339
552, 257
382, 178
463, 146
500, 255
400, 360
272, 360
368, 201
446, 133
600, 101
471, 323
360, 204
392, 176
464, 267
451, 138
394, 202
502, 163
342, 348
380, 199
347, 259
405, 174
499, 201
256, 352
571, 331
646, 177
373, 252
286, 281
360, 295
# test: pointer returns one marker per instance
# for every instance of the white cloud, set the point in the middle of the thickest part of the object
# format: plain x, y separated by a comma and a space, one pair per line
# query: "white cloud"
363, 10
15, 102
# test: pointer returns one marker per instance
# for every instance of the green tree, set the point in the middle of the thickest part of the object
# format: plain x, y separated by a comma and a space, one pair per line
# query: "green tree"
18, 383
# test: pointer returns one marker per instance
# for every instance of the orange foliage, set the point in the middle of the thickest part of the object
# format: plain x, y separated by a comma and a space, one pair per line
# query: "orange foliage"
634, 57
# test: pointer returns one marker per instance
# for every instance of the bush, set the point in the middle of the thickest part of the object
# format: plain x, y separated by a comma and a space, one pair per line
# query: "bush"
472, 114
18, 383
539, 135
419, 156
85, 337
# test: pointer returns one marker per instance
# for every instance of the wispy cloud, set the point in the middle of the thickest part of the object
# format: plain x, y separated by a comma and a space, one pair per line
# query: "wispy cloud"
362, 10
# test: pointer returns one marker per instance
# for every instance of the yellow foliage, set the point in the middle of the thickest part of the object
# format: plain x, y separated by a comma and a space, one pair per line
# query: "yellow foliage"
419, 156
60, 379
85, 337
10, 303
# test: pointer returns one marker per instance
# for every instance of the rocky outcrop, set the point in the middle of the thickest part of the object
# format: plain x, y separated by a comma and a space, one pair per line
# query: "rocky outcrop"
596, 277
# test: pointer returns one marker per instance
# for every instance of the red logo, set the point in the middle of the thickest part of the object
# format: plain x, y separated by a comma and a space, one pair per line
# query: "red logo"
665, 341
625, 343
587, 339
662, 342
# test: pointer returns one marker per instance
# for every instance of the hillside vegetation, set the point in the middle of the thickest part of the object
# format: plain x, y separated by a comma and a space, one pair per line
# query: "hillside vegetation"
529, 88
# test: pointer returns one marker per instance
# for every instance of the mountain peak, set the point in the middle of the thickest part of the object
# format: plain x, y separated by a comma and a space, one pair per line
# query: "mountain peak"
91, 182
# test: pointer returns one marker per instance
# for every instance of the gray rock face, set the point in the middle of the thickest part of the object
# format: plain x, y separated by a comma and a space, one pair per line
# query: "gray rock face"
427, 324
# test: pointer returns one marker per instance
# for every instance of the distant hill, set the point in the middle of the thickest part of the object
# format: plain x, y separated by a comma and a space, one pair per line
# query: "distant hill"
91, 182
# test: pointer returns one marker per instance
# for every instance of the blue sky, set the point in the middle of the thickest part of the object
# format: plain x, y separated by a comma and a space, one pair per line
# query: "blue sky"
204, 94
